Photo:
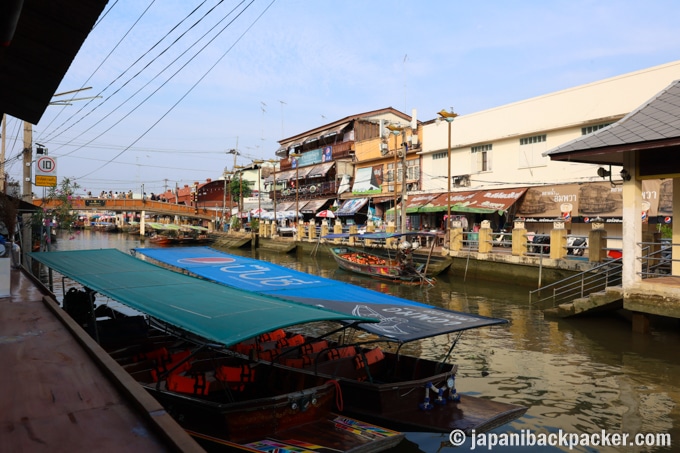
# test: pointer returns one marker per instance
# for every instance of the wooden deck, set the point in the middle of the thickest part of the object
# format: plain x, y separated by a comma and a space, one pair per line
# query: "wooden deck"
59, 391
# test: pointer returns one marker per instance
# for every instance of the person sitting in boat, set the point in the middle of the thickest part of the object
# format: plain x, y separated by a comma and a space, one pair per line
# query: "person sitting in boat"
405, 254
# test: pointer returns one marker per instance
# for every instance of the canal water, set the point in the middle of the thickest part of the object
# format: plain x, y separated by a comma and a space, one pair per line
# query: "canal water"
575, 376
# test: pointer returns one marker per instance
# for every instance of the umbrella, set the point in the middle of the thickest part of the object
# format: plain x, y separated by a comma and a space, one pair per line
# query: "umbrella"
326, 214
258, 212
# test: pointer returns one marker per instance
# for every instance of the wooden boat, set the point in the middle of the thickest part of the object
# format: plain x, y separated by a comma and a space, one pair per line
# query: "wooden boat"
160, 239
402, 268
178, 350
402, 264
169, 234
392, 389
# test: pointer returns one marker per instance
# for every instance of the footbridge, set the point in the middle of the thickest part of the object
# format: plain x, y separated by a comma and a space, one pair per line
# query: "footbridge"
132, 205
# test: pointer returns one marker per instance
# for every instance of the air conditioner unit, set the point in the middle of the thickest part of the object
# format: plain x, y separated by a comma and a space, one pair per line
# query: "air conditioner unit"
461, 181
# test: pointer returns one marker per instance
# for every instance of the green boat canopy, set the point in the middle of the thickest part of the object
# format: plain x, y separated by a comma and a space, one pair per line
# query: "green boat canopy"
214, 312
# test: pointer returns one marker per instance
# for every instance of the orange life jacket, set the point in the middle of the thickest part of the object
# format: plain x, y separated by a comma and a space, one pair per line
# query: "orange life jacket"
339, 353
272, 336
163, 365
235, 374
295, 340
314, 348
371, 357
195, 384
244, 347
268, 355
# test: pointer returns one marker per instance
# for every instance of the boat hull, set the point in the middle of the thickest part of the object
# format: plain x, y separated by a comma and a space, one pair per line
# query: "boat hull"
277, 407
392, 392
375, 266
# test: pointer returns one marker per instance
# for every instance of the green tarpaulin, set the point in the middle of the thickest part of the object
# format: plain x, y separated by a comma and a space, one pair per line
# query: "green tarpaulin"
215, 312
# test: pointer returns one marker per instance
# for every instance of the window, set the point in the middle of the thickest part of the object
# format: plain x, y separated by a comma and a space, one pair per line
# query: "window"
442, 155
531, 150
590, 129
413, 169
481, 158
390, 177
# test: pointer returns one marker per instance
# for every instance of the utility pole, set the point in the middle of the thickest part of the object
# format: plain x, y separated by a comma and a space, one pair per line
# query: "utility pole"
27, 193
3, 184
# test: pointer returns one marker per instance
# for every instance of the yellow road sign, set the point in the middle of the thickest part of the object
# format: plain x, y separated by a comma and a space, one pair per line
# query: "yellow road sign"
45, 181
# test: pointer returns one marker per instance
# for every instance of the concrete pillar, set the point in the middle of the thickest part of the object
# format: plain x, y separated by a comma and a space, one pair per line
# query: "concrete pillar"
558, 241
312, 231
485, 237
142, 223
324, 227
352, 230
260, 228
300, 231
456, 239
391, 228
337, 229
273, 227
519, 239
597, 243
632, 224
266, 229
370, 228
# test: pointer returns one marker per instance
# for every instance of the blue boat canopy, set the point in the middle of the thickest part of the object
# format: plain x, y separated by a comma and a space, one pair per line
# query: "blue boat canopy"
214, 312
401, 320
377, 236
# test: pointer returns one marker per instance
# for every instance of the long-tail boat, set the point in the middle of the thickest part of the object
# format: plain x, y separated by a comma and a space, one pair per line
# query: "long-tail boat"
396, 390
179, 344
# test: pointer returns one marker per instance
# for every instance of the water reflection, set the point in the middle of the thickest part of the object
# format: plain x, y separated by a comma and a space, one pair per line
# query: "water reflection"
580, 376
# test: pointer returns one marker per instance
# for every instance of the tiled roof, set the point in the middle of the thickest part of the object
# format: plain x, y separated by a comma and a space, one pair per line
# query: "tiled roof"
657, 119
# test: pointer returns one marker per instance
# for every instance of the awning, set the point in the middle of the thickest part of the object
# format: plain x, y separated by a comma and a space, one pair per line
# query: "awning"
302, 172
285, 206
320, 170
285, 175
497, 200
350, 207
442, 201
333, 131
415, 202
221, 314
313, 206
480, 201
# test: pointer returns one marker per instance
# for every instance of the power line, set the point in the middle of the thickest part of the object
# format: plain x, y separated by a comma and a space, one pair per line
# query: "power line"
200, 79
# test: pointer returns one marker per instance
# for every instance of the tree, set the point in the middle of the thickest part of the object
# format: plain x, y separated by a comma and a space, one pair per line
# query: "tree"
236, 189
63, 213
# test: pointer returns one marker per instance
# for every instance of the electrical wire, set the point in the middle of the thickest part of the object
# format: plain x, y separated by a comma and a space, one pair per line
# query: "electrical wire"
198, 81
129, 68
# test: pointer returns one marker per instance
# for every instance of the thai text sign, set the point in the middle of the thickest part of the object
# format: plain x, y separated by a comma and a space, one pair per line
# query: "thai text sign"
46, 172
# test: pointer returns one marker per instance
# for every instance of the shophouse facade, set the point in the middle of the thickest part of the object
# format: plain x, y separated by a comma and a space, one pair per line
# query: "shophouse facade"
500, 150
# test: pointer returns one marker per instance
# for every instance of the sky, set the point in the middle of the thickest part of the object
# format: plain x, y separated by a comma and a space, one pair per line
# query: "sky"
176, 84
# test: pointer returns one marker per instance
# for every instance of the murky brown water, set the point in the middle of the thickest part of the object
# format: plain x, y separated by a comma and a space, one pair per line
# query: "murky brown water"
579, 376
